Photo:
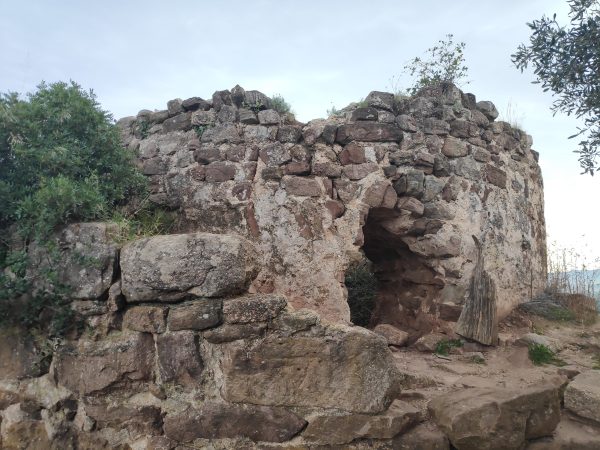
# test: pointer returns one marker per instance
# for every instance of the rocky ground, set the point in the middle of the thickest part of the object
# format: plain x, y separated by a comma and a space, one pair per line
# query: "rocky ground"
479, 369
263, 376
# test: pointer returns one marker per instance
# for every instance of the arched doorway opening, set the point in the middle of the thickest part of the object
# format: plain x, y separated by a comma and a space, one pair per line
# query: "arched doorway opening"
404, 286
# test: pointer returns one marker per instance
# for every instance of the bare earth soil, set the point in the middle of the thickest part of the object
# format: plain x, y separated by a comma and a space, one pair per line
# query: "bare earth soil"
428, 375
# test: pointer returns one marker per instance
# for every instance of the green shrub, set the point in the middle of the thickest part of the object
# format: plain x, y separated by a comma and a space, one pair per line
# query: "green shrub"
362, 103
445, 64
541, 354
333, 111
61, 160
445, 345
362, 288
279, 104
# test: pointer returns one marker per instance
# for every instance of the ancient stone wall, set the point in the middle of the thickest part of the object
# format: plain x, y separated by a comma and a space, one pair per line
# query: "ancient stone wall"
174, 351
232, 332
406, 181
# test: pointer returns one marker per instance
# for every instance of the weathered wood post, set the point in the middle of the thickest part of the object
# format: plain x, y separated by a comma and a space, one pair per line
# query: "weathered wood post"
477, 320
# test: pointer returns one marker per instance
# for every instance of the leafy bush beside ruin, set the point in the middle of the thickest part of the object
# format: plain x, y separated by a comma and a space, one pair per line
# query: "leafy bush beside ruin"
279, 104
61, 160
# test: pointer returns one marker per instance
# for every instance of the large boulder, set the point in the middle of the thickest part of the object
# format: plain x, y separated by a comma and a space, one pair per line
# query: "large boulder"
171, 267
582, 395
86, 261
346, 368
488, 419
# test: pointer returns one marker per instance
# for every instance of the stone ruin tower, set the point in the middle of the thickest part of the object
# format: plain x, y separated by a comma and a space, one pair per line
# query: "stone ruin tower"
233, 331
406, 182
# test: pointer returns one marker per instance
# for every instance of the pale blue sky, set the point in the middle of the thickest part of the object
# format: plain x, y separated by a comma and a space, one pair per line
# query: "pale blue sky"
139, 54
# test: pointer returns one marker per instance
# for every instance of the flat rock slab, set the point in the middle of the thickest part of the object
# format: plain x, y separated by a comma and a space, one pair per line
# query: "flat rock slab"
218, 421
313, 370
328, 429
426, 436
95, 366
368, 131
489, 419
196, 315
570, 435
253, 308
143, 419
171, 267
582, 395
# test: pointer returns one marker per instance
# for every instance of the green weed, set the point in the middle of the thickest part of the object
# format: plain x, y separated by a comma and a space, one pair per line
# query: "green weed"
200, 129
476, 359
146, 221
444, 346
143, 128
542, 354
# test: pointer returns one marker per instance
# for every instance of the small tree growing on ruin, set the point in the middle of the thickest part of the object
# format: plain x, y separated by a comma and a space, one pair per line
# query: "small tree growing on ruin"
443, 63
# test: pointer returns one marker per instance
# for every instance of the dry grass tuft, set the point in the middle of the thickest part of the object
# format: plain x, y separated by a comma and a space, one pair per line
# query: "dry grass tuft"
584, 308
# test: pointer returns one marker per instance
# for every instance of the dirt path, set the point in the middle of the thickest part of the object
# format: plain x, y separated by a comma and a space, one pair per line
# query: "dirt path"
428, 375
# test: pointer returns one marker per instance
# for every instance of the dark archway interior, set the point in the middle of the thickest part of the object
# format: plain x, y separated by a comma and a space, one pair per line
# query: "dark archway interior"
407, 285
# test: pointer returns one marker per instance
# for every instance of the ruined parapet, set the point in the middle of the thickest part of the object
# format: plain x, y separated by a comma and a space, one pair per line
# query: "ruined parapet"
406, 181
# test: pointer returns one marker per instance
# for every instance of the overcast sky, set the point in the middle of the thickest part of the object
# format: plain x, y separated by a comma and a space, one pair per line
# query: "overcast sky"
140, 54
